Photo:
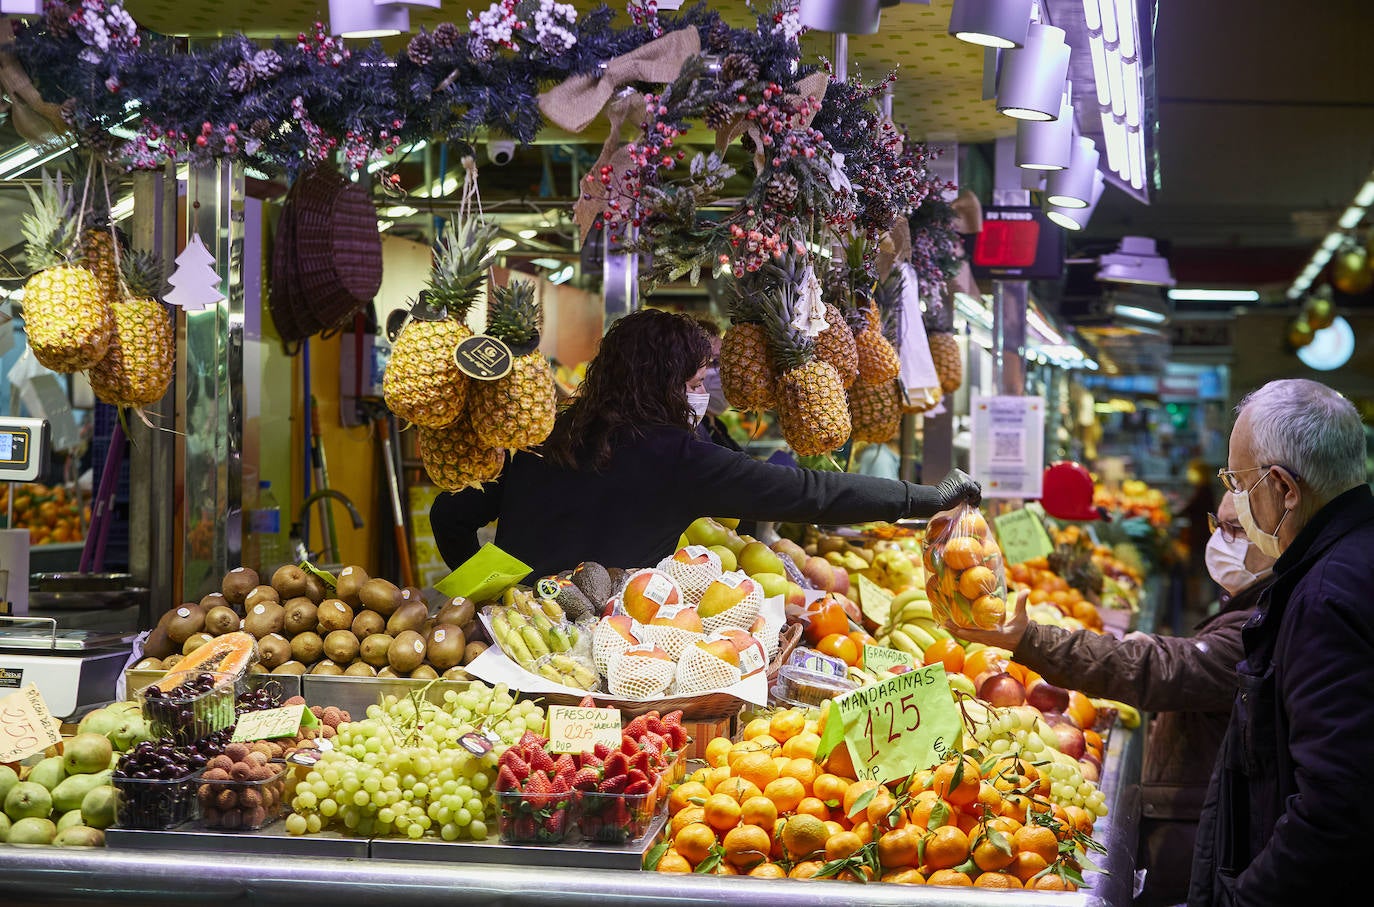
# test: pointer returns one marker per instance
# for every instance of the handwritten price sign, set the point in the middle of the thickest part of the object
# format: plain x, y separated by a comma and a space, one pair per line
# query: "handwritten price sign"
898, 726
26, 725
573, 729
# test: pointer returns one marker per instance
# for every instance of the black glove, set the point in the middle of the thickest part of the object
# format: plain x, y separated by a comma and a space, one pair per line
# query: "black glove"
957, 488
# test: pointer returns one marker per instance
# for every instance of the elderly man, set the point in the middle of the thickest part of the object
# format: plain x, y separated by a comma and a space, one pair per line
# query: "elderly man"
1288, 794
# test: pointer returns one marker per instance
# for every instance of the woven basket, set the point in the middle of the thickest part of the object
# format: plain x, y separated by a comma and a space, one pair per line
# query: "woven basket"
328, 262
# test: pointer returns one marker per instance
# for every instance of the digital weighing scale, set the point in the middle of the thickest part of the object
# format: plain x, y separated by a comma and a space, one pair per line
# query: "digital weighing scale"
71, 668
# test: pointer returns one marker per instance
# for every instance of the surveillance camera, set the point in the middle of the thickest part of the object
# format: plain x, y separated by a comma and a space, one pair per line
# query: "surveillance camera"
501, 151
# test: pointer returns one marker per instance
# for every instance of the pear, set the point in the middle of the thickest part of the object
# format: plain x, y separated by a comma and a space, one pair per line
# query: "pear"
49, 772
69, 794
28, 799
98, 807
32, 830
86, 753
79, 836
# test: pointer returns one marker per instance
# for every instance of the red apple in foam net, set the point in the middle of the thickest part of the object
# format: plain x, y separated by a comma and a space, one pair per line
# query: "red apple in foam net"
647, 652
752, 658
1001, 690
1047, 697
622, 624
721, 648
648, 590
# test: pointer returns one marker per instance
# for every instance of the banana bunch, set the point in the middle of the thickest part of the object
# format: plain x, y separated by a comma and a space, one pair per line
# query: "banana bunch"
911, 625
528, 628
1128, 715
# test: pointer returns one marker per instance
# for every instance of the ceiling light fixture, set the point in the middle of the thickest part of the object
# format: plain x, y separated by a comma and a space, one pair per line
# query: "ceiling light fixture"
1114, 47
504, 244
1136, 313
1077, 218
1073, 187
528, 234
1330, 348
991, 23
1047, 144
853, 17
1136, 260
563, 276
1030, 85
1201, 294
372, 18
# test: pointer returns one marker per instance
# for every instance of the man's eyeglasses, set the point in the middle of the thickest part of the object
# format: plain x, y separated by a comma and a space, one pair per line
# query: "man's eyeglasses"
1229, 478
1229, 531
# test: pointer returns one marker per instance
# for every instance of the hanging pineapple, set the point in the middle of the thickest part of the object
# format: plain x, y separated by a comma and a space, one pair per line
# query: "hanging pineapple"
745, 375
875, 411
837, 346
139, 364
944, 348
517, 411
454, 459
811, 404
98, 239
878, 362
66, 315
422, 383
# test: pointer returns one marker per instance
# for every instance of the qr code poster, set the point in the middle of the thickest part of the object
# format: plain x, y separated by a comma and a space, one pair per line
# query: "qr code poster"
1008, 446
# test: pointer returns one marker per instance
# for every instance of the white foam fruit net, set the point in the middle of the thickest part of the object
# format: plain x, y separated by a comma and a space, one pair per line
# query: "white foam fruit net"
693, 578
638, 677
741, 615
699, 671
671, 639
607, 643
769, 635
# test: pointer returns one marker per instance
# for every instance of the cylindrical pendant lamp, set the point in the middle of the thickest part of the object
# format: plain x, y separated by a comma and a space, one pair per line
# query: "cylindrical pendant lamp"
367, 18
1073, 187
1077, 218
1031, 83
1046, 144
853, 17
991, 23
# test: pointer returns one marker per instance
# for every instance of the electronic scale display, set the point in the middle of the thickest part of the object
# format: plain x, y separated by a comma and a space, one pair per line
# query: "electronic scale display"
24, 446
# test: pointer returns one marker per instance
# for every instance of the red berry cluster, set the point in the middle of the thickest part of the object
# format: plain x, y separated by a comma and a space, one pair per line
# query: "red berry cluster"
323, 46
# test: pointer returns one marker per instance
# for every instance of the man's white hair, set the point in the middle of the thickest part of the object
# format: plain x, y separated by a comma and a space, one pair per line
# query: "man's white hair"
1310, 429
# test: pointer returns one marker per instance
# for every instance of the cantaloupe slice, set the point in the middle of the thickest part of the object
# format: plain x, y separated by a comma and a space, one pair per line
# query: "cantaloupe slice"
232, 653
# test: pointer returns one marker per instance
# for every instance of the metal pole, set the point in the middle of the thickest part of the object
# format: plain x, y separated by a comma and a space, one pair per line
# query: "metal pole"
1009, 298
841, 57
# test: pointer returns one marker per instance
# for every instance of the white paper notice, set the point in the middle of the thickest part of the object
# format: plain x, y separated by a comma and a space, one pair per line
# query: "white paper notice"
1008, 445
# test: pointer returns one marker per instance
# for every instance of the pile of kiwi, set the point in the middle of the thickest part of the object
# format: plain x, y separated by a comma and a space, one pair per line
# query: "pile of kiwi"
365, 627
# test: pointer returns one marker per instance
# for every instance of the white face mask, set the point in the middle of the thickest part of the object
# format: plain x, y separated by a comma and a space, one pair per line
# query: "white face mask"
698, 403
1226, 563
1267, 542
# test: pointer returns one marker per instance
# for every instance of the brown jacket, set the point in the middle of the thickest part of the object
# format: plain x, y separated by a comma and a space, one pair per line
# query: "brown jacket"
1189, 680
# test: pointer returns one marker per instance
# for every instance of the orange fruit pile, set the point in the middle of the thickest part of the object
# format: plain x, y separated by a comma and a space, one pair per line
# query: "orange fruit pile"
764, 806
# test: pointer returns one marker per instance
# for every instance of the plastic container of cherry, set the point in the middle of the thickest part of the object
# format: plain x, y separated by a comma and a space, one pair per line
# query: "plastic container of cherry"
155, 785
187, 706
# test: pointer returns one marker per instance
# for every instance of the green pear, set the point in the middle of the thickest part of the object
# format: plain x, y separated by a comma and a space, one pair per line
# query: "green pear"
86, 753
69, 818
49, 772
69, 794
8, 778
33, 830
4, 828
727, 558
28, 800
772, 583
79, 836
756, 557
706, 531
736, 543
98, 807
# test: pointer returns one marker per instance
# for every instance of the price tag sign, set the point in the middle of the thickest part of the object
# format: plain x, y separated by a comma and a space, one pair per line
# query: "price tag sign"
1022, 536
816, 662
573, 729
874, 600
269, 723
26, 725
483, 357
879, 658
896, 726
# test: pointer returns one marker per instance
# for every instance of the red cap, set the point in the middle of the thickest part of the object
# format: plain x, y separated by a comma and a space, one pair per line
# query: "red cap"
1068, 492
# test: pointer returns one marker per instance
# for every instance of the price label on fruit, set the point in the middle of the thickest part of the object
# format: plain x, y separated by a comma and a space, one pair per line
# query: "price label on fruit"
483, 357
574, 729
26, 725
895, 724
269, 723
1022, 536
878, 659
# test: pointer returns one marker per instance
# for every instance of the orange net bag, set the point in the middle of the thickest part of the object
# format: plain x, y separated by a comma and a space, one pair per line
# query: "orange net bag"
966, 576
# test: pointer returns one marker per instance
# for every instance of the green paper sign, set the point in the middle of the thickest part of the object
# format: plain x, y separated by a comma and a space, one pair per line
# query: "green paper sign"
900, 725
1022, 536
874, 600
269, 723
484, 576
878, 659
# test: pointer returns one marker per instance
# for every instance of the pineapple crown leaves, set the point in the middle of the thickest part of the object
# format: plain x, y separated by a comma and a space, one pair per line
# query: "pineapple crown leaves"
514, 316
50, 230
790, 347
462, 256
889, 299
145, 274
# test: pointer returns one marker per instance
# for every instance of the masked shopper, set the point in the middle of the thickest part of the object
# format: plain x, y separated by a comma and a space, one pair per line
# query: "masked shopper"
1288, 798
1190, 681
624, 471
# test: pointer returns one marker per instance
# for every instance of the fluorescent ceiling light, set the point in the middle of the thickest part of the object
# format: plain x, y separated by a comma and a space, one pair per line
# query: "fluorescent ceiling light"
1092, 16
1333, 241
1130, 75
528, 234
1043, 328
1139, 314
399, 211
1125, 19
563, 276
1330, 348
1109, 23
1366, 196
991, 23
1200, 294
504, 244
1351, 218
552, 264
1114, 136
1136, 149
1098, 50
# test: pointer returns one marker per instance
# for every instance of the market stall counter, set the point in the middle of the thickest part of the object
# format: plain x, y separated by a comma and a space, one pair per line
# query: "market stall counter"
231, 869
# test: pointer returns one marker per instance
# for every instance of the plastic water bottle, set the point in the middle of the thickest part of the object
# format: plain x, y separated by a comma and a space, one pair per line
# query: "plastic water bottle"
266, 529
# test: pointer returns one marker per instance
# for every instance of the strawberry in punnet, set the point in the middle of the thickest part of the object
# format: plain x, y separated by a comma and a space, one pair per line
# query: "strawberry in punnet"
564, 765
587, 778
642, 762
601, 751
617, 763
614, 785
636, 728
506, 779
535, 792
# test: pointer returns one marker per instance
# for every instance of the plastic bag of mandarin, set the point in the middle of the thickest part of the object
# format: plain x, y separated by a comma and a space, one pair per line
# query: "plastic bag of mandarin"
966, 575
